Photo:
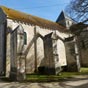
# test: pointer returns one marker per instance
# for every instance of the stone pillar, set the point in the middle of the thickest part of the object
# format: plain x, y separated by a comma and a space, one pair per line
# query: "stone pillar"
3, 49
48, 55
13, 67
21, 75
35, 49
17, 57
77, 56
3, 30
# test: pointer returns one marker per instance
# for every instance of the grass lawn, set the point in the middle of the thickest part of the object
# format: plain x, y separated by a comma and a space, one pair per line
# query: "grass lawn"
62, 76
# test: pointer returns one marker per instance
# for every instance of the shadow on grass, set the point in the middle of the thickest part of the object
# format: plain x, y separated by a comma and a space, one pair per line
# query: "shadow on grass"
63, 76
5, 79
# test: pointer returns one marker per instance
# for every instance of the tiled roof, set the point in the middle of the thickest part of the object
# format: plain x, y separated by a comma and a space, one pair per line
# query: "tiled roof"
23, 17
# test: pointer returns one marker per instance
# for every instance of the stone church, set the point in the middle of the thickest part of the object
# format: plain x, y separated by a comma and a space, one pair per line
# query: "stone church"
31, 44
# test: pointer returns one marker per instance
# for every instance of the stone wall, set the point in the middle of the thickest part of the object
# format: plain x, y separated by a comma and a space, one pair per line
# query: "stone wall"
29, 48
83, 43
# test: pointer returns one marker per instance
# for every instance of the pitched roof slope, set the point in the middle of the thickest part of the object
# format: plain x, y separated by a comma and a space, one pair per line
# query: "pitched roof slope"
63, 16
23, 17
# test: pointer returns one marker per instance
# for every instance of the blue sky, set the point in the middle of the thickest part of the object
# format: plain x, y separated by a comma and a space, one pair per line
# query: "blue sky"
47, 9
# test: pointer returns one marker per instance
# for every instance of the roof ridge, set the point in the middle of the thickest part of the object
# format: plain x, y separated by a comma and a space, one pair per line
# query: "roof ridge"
21, 16
26, 13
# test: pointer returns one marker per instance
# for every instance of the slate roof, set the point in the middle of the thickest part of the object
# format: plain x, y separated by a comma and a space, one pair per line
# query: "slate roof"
34, 20
63, 16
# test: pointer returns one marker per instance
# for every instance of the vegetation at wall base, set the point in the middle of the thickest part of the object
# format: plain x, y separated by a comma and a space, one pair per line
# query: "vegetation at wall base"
63, 76
59, 77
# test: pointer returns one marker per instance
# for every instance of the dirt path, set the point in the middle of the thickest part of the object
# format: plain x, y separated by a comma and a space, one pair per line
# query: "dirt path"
76, 82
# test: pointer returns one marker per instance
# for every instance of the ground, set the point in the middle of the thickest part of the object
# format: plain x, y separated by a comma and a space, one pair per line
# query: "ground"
76, 82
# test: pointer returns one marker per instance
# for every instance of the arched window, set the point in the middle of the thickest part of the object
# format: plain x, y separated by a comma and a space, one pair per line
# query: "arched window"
25, 38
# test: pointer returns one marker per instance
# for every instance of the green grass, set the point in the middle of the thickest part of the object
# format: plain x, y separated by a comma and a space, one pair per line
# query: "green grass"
64, 75
84, 70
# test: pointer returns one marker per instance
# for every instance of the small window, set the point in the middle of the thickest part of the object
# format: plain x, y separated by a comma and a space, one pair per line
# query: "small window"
25, 38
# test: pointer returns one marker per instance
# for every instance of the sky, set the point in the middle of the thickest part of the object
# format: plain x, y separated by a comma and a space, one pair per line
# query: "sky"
47, 9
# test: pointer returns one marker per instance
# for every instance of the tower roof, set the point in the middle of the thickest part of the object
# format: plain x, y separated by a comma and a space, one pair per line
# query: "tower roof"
63, 16
60, 17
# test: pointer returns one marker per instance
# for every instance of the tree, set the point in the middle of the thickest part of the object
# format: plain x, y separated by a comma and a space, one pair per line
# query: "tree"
77, 28
78, 9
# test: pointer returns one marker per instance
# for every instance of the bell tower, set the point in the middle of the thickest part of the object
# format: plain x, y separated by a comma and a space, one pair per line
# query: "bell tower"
65, 20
